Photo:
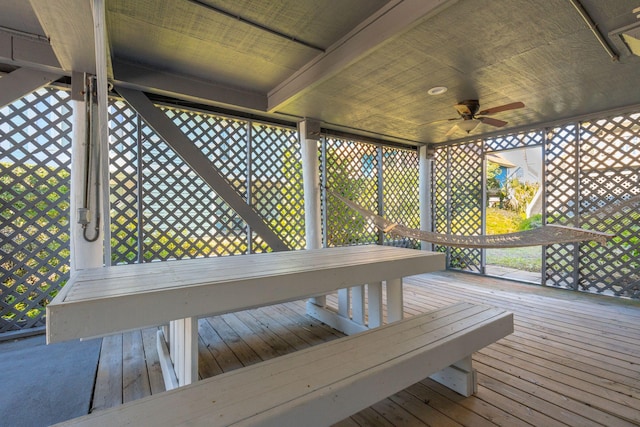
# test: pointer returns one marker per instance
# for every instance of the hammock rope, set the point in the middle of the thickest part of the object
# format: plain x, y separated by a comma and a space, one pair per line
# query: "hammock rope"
549, 234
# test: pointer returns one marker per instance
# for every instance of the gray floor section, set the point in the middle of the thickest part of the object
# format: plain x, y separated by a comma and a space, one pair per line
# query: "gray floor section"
45, 384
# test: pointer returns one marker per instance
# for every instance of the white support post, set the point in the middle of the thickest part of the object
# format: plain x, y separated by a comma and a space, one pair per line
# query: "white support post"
357, 304
102, 122
425, 155
84, 253
374, 290
395, 310
309, 131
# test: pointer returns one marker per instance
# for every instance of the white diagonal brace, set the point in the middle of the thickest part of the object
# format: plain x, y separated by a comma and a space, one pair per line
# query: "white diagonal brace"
391, 20
200, 164
22, 82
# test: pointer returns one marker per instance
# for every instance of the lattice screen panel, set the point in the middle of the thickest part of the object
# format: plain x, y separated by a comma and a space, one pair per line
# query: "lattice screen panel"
401, 192
440, 196
610, 173
466, 202
183, 217
124, 127
35, 135
515, 140
276, 183
561, 182
223, 140
352, 170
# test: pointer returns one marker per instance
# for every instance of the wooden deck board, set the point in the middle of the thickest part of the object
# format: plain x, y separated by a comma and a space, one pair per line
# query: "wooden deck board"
574, 359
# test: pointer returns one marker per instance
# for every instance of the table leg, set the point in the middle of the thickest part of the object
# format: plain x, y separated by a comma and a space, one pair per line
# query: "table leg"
357, 304
374, 290
395, 304
344, 302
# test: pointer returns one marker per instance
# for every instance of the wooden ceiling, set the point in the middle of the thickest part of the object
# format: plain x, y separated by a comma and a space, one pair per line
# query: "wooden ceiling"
362, 66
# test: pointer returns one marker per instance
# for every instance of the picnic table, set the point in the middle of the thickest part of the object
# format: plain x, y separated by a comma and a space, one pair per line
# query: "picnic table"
102, 301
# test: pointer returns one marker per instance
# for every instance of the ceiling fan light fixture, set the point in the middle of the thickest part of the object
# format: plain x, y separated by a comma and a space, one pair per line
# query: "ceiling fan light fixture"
468, 125
437, 90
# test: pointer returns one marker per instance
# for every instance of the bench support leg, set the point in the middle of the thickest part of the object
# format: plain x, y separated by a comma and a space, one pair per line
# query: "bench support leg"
169, 375
183, 354
459, 377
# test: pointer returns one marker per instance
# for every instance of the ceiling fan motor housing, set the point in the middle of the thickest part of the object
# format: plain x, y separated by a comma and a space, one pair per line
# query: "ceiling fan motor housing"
468, 108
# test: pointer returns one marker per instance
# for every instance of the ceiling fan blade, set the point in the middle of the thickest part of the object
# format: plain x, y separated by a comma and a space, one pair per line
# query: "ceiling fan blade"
506, 107
443, 120
463, 109
492, 122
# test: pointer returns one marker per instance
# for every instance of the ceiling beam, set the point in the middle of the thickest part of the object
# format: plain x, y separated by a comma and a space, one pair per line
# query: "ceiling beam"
22, 82
69, 26
391, 20
30, 52
138, 77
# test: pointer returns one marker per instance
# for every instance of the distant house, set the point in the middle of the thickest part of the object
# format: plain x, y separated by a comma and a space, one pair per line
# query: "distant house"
505, 167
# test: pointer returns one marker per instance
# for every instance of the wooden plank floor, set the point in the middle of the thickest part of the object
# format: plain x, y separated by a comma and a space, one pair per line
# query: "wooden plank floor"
574, 358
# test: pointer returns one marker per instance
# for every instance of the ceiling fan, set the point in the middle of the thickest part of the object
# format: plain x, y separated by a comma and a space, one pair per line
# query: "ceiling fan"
471, 117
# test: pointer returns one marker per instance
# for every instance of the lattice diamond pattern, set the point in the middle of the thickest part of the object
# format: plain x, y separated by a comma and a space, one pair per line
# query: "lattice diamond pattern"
466, 202
276, 183
561, 181
34, 177
610, 172
440, 197
124, 185
222, 140
440, 192
516, 140
352, 170
183, 217
401, 193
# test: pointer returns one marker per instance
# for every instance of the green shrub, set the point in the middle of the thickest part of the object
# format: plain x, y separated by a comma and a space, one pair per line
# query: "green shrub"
532, 222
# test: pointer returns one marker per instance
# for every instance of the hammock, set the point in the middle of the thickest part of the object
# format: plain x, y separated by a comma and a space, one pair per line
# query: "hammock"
546, 235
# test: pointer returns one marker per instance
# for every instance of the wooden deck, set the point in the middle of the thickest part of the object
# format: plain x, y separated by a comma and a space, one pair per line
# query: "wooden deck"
574, 358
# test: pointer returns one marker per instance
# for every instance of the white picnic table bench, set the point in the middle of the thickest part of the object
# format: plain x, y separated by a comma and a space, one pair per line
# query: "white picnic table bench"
103, 301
